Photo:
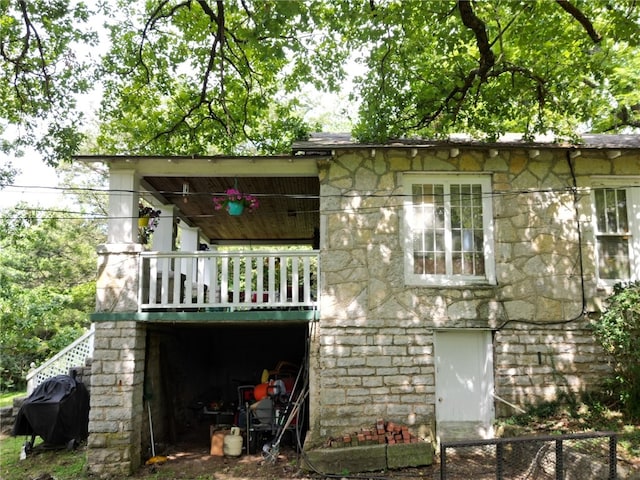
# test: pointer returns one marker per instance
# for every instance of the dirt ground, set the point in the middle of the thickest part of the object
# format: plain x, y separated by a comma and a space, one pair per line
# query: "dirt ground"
192, 462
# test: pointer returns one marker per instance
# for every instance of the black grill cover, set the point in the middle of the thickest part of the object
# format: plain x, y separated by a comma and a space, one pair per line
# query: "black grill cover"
57, 411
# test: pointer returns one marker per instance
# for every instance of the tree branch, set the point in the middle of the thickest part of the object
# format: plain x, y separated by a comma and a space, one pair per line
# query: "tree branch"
576, 13
26, 43
626, 117
472, 21
486, 62
150, 24
220, 40
486, 69
459, 93
218, 62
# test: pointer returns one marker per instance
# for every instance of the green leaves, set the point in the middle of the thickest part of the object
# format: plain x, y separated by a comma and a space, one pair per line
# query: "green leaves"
40, 74
47, 286
618, 331
207, 76
548, 76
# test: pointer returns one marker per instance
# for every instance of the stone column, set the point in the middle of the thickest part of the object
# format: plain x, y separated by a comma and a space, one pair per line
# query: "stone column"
117, 374
117, 384
117, 282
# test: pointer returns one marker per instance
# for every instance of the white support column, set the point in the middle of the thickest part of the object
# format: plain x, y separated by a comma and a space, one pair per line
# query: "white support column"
189, 238
189, 241
163, 238
123, 207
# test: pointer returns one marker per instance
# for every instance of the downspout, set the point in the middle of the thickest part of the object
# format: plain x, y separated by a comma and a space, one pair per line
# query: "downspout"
579, 231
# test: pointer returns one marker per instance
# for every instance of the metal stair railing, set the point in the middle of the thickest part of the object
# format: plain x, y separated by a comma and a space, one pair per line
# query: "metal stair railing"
74, 355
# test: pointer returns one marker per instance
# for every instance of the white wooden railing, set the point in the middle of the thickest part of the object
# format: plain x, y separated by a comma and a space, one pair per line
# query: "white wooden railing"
228, 280
74, 355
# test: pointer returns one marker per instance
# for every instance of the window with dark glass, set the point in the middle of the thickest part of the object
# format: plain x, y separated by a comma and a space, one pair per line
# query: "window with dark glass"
613, 237
449, 228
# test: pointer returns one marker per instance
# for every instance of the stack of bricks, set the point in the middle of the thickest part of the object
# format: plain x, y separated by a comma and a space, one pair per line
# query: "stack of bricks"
382, 433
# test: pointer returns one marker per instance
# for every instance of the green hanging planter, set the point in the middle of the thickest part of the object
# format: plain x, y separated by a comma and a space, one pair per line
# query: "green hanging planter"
235, 202
235, 208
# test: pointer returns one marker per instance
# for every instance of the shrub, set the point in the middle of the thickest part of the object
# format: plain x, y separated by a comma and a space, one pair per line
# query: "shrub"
618, 331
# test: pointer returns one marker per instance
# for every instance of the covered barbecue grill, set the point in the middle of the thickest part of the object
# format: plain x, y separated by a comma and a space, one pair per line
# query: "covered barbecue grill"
57, 411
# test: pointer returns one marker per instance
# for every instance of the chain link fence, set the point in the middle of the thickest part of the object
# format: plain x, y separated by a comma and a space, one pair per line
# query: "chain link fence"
580, 456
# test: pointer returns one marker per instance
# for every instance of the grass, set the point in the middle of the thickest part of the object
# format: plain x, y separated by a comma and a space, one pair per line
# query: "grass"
6, 398
60, 464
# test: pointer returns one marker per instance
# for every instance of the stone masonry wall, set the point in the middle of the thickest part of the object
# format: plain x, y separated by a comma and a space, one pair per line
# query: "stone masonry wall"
115, 418
554, 362
372, 351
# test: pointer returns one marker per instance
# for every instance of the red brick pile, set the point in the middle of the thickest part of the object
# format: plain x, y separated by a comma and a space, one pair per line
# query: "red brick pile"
383, 432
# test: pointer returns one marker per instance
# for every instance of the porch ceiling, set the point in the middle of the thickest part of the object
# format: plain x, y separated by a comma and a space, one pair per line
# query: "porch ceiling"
288, 212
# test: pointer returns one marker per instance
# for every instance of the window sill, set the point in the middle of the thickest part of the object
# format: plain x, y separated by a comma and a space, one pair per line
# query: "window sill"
450, 283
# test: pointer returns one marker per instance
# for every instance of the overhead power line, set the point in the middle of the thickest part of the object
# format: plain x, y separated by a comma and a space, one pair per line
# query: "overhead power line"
347, 194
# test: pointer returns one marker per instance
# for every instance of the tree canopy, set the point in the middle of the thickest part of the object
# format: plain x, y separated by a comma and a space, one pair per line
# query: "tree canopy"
41, 75
47, 285
209, 76
48, 270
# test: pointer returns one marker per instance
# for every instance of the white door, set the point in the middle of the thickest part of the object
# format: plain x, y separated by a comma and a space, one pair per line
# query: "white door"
464, 383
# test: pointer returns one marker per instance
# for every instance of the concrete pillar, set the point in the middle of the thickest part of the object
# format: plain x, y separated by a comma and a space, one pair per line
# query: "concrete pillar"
189, 239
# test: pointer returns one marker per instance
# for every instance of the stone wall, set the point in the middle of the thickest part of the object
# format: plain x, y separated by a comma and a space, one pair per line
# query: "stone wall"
372, 352
546, 362
115, 418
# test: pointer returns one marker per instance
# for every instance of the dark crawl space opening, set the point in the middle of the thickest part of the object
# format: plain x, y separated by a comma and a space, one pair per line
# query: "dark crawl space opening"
203, 379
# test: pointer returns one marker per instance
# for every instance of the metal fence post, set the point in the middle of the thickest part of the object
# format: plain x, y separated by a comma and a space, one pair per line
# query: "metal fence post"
559, 460
613, 458
499, 460
443, 461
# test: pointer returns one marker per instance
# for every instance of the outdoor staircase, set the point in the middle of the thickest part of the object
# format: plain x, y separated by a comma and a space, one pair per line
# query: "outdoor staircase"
74, 355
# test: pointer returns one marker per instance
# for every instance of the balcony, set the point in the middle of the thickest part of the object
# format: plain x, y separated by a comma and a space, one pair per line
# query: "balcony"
228, 281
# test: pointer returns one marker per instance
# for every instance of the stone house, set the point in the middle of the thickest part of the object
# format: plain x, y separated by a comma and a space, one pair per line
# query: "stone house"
436, 284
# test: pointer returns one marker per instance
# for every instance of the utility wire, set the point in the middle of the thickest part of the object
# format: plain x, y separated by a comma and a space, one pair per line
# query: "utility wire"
572, 191
74, 215
346, 194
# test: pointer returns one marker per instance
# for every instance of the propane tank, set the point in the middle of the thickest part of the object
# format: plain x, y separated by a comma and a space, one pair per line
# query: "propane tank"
232, 445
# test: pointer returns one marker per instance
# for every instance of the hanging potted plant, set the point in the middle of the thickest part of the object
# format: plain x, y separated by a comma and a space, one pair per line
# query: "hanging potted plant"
235, 202
148, 218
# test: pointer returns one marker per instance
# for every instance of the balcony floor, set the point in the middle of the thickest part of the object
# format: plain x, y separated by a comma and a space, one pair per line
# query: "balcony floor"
220, 316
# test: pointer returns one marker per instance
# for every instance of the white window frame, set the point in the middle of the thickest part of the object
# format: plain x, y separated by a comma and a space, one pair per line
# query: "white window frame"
631, 184
411, 278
